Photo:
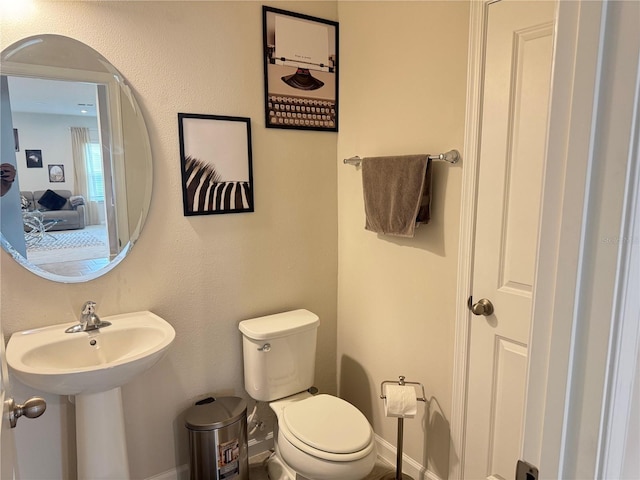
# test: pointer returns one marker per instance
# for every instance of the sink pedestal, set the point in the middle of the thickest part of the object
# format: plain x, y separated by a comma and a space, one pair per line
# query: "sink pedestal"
100, 437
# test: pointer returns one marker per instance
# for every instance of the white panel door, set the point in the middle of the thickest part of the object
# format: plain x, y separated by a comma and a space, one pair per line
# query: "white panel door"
518, 59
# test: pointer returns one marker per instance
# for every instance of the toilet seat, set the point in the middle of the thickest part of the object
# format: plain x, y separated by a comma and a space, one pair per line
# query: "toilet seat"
327, 427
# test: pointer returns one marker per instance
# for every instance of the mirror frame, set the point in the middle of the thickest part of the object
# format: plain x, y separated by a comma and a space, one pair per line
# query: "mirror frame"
118, 90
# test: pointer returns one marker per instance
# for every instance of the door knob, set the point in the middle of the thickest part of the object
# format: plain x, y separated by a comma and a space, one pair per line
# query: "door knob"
481, 307
32, 408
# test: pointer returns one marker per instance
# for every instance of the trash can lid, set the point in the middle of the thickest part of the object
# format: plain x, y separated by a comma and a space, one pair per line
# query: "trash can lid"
215, 414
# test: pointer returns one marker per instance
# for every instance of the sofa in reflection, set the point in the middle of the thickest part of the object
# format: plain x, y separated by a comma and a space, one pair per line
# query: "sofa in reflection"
56, 209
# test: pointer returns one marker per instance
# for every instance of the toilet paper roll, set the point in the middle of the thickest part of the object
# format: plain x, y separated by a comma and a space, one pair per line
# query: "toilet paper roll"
400, 401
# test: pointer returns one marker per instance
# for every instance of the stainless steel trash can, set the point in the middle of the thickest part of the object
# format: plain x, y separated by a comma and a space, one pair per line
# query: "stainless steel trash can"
218, 439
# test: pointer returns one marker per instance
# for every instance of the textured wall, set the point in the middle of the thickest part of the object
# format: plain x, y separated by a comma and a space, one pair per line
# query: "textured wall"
202, 274
402, 91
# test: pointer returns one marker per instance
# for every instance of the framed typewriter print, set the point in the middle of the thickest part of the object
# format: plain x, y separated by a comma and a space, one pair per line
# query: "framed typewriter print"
300, 71
215, 156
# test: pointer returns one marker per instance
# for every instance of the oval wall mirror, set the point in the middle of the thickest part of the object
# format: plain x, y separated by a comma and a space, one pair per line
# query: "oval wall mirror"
76, 160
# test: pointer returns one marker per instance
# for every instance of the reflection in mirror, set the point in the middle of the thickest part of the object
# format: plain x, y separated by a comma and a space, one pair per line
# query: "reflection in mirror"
75, 140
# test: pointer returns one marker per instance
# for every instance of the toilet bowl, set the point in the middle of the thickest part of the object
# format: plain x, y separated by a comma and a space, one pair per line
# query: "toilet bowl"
321, 438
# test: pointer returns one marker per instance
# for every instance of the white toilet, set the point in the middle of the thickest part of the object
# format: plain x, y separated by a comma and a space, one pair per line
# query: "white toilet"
319, 437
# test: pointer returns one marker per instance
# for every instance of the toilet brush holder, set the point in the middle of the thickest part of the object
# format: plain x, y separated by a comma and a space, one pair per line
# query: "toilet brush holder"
398, 475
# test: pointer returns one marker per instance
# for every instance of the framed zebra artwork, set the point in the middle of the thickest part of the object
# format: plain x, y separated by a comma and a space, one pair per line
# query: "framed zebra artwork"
300, 71
215, 157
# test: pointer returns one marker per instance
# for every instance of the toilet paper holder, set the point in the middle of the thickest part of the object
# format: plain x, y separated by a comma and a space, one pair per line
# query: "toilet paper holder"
401, 381
398, 475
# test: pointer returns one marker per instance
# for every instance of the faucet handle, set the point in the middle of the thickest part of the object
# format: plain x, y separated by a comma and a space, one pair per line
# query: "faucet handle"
89, 308
88, 320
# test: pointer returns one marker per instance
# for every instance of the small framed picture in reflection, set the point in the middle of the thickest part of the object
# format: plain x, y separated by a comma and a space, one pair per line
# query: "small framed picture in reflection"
56, 173
34, 158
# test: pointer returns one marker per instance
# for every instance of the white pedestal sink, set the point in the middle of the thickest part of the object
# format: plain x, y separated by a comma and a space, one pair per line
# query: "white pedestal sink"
92, 366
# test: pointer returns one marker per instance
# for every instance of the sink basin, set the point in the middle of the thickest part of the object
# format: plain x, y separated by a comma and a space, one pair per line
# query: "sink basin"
89, 362
92, 366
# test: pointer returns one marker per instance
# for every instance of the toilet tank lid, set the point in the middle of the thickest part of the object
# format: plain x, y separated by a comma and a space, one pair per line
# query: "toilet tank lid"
279, 324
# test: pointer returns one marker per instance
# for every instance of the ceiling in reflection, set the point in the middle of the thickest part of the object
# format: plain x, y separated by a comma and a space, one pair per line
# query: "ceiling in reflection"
34, 95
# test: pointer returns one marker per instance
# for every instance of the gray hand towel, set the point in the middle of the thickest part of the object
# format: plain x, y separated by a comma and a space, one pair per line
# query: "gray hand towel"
397, 193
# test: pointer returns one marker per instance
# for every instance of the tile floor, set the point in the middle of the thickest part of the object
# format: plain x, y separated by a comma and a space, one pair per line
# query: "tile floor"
258, 471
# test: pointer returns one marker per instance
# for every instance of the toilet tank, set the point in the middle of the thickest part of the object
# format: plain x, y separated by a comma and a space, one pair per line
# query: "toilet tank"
279, 354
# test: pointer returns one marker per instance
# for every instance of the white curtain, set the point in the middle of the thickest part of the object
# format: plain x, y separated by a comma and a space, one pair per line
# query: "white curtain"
79, 141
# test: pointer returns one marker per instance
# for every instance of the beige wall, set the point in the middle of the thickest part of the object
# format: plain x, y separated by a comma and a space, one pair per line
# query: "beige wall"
203, 274
402, 91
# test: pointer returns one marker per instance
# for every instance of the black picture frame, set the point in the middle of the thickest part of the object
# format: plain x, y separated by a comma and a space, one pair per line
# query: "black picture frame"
216, 164
300, 55
16, 139
34, 158
56, 173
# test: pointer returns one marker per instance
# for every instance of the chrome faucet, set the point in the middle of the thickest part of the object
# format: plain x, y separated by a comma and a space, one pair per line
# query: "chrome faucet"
89, 320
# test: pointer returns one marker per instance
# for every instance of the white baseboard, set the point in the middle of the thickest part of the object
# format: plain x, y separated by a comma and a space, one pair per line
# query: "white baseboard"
178, 473
388, 453
182, 472
259, 446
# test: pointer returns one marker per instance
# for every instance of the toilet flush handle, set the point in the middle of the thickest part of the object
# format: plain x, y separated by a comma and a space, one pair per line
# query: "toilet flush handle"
265, 348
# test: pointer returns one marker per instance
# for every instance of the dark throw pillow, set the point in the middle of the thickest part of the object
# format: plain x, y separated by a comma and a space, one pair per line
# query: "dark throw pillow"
52, 200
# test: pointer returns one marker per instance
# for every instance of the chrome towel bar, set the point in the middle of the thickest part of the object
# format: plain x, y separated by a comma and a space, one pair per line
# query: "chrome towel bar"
452, 156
